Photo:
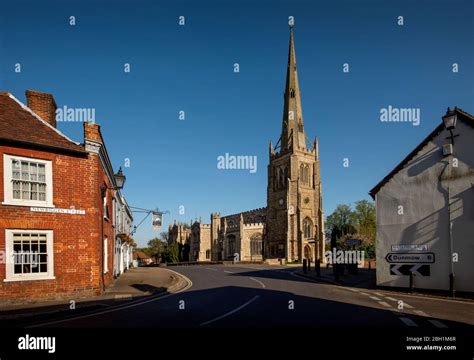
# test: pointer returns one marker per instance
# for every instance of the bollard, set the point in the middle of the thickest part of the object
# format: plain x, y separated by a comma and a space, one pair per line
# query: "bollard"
336, 272
305, 266
309, 265
452, 289
412, 281
318, 268
369, 265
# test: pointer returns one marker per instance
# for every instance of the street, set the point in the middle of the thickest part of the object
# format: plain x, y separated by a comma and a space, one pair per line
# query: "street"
264, 296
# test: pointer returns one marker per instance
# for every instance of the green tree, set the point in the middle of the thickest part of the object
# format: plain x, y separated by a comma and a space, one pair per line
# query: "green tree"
364, 216
172, 252
341, 220
359, 223
156, 248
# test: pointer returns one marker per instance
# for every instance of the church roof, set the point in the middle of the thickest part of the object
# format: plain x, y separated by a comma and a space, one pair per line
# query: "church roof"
462, 115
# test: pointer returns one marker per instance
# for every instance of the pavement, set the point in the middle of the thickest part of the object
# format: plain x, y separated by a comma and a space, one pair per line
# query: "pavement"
132, 286
365, 278
261, 296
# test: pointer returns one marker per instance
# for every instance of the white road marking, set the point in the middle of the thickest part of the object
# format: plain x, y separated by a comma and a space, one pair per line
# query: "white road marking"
406, 305
391, 298
354, 290
374, 298
261, 283
421, 313
229, 272
122, 296
230, 312
363, 293
408, 322
378, 294
120, 307
438, 324
384, 304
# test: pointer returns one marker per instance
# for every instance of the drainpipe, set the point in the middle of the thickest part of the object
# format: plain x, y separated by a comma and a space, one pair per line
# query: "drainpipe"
452, 276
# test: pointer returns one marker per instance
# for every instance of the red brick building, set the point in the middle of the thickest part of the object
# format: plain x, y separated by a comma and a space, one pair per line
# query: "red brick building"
55, 205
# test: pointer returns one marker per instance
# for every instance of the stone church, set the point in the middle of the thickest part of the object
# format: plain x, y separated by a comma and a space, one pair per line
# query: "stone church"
291, 227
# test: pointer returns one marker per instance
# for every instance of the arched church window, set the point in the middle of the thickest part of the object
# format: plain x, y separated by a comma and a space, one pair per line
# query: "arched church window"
231, 245
306, 174
301, 172
292, 93
256, 244
282, 177
307, 228
275, 178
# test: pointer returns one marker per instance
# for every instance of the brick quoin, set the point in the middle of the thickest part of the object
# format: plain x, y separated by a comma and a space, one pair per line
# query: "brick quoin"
77, 239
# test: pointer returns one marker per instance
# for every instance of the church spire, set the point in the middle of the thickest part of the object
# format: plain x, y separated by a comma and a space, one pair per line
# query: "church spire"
292, 133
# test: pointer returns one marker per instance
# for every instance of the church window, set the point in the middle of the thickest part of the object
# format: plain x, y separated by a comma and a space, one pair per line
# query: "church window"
286, 176
307, 228
282, 178
256, 245
292, 93
306, 174
231, 243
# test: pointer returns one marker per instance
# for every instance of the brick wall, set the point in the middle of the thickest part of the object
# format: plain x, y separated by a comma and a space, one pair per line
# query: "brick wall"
77, 240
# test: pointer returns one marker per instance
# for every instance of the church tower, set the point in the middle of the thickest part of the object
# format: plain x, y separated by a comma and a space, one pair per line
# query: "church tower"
294, 223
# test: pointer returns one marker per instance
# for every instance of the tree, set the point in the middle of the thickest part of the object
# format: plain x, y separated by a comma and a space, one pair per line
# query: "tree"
172, 252
359, 223
156, 248
364, 216
341, 220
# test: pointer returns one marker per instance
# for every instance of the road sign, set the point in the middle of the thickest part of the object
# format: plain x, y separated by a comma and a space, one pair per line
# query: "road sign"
405, 269
409, 247
410, 257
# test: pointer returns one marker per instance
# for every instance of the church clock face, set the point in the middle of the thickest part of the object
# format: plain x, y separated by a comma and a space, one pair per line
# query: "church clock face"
306, 200
281, 201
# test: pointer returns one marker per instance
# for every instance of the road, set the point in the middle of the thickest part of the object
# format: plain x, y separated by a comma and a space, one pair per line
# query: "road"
263, 296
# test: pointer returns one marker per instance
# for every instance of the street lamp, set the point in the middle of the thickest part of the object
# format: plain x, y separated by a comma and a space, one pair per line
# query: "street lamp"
449, 121
120, 179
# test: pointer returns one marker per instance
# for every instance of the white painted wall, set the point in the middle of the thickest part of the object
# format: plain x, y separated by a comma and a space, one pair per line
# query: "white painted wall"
421, 191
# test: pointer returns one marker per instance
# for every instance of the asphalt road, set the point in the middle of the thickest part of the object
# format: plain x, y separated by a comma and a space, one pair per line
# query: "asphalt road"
262, 296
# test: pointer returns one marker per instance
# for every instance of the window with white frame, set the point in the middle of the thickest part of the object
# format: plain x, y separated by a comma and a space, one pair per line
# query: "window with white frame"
30, 255
106, 255
27, 181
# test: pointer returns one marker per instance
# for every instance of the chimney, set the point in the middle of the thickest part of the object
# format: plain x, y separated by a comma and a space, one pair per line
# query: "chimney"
92, 132
43, 105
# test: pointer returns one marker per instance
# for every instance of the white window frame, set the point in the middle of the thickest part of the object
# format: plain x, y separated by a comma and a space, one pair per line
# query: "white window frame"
106, 255
8, 183
10, 276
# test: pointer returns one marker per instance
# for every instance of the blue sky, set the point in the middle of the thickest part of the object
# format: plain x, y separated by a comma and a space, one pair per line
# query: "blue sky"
190, 68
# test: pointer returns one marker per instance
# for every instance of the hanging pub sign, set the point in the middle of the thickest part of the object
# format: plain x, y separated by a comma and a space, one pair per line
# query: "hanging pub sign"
157, 221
